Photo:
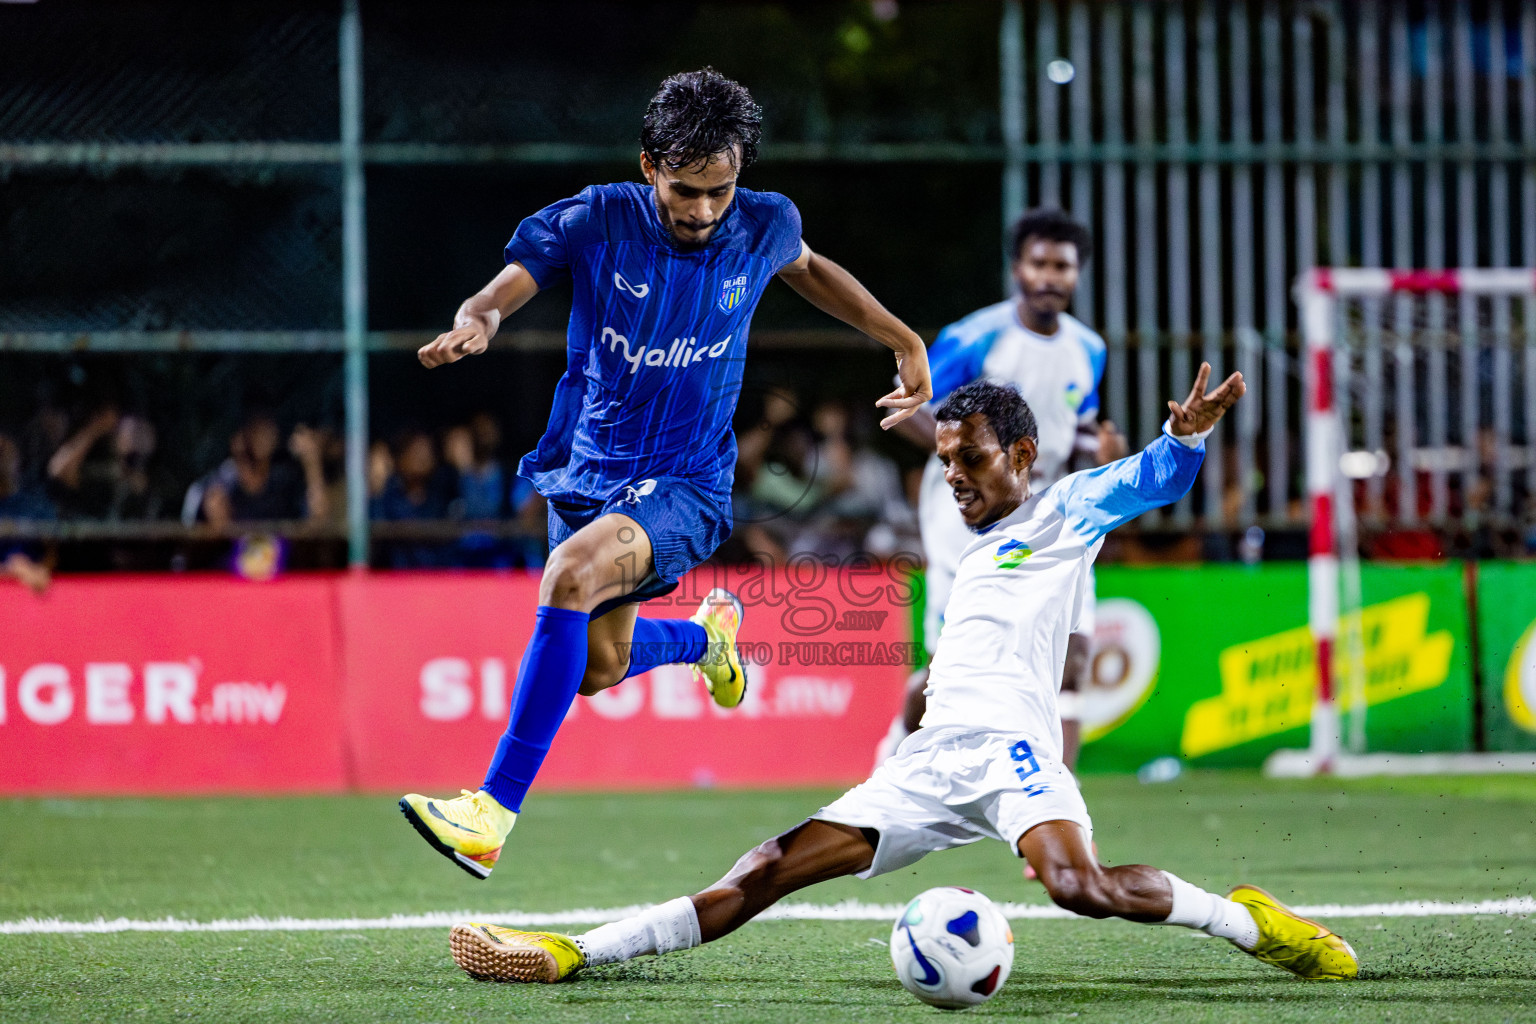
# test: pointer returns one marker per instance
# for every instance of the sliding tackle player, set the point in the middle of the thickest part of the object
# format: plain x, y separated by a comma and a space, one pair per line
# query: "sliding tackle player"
986, 763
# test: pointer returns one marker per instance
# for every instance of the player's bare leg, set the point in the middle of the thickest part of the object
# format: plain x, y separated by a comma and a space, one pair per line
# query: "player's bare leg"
811, 852
605, 559
1073, 675
1250, 918
609, 639
915, 701
1073, 878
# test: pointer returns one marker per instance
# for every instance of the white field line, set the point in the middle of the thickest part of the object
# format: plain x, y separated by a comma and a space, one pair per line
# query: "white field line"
849, 910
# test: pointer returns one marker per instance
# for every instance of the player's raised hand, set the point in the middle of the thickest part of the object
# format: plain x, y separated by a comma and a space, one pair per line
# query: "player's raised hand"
1200, 411
453, 346
916, 387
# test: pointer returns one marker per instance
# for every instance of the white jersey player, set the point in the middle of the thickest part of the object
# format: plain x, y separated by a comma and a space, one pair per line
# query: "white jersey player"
987, 761
1058, 376
1057, 362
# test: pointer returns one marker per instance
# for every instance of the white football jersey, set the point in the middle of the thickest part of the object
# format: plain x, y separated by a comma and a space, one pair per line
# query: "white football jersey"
1059, 377
1058, 374
1020, 588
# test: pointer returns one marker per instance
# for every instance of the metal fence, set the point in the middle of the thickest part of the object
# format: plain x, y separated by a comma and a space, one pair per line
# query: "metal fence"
1216, 149
1220, 149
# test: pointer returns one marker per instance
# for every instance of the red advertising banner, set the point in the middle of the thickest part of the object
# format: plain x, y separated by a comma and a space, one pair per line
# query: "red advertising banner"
163, 684
431, 663
400, 681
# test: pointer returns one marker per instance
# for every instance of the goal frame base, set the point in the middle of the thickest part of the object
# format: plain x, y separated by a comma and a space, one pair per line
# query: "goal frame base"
1305, 764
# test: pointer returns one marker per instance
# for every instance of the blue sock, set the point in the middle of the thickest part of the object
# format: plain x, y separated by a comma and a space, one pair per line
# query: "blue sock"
547, 682
665, 642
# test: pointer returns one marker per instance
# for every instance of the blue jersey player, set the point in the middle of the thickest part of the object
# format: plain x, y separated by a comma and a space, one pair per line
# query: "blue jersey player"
638, 458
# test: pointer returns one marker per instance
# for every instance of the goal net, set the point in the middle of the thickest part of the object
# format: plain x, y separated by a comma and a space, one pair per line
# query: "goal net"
1420, 404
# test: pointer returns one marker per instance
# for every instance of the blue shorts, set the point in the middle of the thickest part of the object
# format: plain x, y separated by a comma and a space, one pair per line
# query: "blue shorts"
684, 523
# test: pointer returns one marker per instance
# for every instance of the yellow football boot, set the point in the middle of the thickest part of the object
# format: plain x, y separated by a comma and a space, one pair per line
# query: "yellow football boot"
724, 677
1305, 948
488, 952
468, 830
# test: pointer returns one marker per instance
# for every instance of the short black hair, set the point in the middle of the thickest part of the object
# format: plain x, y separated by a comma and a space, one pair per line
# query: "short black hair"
1002, 404
1054, 225
695, 115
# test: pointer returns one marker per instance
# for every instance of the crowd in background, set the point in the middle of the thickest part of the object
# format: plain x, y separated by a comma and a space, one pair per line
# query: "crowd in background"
808, 481
814, 476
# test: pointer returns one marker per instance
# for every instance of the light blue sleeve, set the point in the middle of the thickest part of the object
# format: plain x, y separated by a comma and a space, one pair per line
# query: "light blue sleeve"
1096, 501
955, 361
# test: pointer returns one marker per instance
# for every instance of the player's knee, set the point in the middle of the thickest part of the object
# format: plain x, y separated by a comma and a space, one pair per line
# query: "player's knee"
568, 581
755, 874
1080, 891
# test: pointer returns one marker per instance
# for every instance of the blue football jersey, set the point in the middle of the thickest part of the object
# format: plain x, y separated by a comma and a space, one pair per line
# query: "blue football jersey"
657, 339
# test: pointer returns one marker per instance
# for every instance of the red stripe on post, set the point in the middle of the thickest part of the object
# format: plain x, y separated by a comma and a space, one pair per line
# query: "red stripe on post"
1322, 380
1421, 281
1322, 278
1324, 670
1320, 536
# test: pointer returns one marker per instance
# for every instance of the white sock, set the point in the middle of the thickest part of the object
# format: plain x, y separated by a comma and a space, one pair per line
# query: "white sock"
666, 928
1193, 907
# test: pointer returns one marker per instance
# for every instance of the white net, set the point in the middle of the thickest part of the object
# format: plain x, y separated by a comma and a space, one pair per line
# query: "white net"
1436, 400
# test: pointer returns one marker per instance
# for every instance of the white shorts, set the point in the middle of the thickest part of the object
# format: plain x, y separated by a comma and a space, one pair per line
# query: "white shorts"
950, 787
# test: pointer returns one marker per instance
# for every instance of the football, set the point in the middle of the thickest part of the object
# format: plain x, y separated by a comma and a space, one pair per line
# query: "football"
952, 947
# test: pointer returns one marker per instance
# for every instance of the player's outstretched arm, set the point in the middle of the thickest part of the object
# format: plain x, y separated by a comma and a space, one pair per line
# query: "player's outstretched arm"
477, 320
1098, 500
833, 290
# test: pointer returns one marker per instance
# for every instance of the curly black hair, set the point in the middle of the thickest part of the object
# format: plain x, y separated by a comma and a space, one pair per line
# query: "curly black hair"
1002, 404
1053, 225
695, 115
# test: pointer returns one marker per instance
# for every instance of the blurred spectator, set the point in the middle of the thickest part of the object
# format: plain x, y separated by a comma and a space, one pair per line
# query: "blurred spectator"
776, 484
863, 505
817, 487
473, 451
419, 488
487, 491
381, 466
23, 561
103, 470
333, 475
43, 435
255, 485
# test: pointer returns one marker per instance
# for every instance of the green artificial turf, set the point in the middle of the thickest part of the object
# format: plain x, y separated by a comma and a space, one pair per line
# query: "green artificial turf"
206, 859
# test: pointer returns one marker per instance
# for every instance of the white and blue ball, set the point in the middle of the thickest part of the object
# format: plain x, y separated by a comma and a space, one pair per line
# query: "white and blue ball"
952, 947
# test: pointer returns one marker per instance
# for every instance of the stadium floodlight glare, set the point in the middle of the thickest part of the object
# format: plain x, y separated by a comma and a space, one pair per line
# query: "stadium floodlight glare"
1331, 329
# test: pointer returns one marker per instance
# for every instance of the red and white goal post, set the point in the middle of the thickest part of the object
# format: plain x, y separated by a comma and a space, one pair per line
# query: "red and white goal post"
1415, 323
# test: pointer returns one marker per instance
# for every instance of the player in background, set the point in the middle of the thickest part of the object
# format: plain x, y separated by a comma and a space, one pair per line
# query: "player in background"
1057, 362
987, 762
638, 459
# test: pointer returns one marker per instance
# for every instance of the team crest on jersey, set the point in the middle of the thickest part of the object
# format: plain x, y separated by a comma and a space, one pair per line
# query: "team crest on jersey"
733, 292
1012, 554
1075, 396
